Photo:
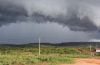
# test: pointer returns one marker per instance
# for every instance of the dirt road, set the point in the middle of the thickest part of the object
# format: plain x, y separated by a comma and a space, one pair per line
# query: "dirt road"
91, 61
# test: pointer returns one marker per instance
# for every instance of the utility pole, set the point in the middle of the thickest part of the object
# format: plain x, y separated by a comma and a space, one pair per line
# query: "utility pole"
91, 50
90, 47
39, 47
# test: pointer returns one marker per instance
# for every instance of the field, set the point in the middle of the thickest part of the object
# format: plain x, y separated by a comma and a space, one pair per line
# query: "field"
50, 55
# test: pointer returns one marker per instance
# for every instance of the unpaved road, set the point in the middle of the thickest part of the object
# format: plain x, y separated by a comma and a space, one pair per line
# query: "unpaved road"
92, 61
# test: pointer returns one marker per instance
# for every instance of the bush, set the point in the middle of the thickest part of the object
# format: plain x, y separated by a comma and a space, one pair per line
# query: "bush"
98, 54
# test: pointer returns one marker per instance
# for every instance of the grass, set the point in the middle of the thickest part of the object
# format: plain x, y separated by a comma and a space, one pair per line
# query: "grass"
33, 59
28, 55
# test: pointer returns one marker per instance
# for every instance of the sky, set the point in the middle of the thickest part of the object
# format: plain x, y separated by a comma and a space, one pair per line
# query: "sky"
79, 17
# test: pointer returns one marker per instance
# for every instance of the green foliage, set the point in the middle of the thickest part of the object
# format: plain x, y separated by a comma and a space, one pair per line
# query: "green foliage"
98, 53
32, 59
28, 55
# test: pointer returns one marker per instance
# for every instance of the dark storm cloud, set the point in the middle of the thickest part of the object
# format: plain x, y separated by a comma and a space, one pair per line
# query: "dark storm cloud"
78, 15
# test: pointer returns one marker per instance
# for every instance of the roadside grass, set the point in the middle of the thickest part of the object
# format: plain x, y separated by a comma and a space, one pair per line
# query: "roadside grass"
33, 59
8, 59
49, 55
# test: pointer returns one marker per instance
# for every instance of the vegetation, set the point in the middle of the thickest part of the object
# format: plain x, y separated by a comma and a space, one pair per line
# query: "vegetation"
50, 55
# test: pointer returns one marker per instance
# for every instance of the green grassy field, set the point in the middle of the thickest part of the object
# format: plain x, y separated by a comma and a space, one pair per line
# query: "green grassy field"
50, 55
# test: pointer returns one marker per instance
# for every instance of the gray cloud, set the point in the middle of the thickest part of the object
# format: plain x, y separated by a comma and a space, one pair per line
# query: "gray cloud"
79, 18
78, 15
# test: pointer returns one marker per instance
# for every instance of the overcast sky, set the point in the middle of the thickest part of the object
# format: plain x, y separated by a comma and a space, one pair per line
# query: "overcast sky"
79, 17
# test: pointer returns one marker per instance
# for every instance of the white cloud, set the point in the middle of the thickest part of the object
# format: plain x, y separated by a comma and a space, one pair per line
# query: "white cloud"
95, 40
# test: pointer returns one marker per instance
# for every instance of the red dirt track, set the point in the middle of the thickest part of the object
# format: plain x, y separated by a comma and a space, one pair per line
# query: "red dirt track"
89, 61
